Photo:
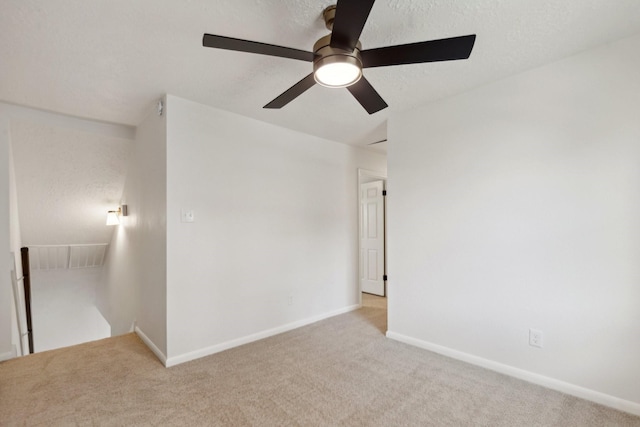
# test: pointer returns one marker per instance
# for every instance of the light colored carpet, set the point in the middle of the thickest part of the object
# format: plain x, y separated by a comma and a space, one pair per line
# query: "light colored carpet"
341, 371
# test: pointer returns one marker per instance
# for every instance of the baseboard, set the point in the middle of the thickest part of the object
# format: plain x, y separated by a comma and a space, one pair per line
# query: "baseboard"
207, 351
154, 348
552, 383
8, 355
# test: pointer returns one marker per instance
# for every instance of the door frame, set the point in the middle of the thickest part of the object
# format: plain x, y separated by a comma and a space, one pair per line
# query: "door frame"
363, 176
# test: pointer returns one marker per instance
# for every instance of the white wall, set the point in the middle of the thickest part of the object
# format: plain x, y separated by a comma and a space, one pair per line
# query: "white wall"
6, 294
63, 308
15, 243
118, 293
67, 178
515, 206
275, 220
134, 280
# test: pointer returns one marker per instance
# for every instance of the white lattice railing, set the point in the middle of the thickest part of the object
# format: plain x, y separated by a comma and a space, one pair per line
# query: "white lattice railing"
53, 257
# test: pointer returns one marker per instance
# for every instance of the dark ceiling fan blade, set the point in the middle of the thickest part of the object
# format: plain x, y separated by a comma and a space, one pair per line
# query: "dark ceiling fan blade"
415, 53
292, 93
229, 43
367, 96
351, 16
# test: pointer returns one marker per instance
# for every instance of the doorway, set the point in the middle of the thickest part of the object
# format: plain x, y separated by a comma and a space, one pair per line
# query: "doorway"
55, 297
372, 274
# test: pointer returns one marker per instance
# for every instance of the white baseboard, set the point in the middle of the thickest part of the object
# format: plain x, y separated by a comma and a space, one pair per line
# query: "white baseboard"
154, 348
207, 351
8, 355
552, 383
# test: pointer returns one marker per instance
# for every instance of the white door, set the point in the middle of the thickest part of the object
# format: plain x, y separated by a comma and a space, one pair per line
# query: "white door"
372, 238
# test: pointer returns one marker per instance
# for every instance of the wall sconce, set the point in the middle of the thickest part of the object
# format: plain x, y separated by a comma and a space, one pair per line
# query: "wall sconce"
113, 216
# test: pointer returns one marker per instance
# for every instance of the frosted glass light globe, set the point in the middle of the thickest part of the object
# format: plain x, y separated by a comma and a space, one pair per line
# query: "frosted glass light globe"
338, 74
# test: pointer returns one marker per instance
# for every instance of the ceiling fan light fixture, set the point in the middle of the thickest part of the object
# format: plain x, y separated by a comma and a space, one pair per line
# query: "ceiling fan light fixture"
337, 71
336, 67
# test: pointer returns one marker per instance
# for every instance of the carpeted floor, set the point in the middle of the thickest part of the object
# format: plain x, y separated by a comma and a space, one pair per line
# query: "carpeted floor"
341, 371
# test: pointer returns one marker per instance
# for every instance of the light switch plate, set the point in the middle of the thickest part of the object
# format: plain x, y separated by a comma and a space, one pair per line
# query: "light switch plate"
188, 215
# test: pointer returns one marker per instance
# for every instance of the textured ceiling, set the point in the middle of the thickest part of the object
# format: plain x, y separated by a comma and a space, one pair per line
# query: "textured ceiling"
110, 59
66, 181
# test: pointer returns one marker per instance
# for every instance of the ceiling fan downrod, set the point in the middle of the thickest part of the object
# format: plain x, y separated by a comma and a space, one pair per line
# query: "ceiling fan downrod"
329, 14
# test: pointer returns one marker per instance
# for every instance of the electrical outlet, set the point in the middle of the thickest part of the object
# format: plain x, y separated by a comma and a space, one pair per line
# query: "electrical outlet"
535, 338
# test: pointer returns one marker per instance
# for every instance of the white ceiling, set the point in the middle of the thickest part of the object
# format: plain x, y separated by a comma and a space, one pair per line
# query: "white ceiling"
110, 59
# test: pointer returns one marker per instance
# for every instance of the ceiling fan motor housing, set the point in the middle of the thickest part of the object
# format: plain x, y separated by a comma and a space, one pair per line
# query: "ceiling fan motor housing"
327, 55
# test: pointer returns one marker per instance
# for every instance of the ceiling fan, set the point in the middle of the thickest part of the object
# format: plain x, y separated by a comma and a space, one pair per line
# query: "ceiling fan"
338, 58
